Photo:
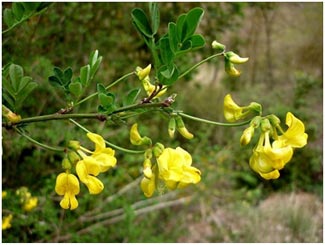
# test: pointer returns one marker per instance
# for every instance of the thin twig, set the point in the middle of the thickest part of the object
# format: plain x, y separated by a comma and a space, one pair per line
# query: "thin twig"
122, 216
119, 211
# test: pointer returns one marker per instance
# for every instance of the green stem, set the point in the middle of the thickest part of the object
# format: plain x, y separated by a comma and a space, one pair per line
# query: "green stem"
55, 117
213, 122
152, 47
138, 106
108, 87
108, 143
98, 116
39, 143
200, 63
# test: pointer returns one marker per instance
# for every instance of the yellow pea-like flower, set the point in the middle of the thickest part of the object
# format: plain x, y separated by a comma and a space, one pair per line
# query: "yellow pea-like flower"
87, 170
67, 185
235, 58
148, 185
136, 138
104, 156
232, 112
230, 69
174, 166
247, 136
267, 159
180, 126
143, 73
295, 135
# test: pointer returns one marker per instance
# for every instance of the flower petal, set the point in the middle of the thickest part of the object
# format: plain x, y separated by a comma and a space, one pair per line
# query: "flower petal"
148, 186
98, 140
295, 136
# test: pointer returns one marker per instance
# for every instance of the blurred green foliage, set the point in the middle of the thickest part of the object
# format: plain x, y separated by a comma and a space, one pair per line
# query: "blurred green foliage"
64, 35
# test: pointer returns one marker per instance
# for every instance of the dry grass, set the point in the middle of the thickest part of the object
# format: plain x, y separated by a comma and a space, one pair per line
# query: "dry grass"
294, 217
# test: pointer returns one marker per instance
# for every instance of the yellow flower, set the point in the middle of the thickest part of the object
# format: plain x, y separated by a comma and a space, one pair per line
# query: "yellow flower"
11, 116
247, 135
235, 58
230, 69
6, 222
135, 137
230, 59
68, 186
175, 168
231, 110
86, 170
148, 185
30, 204
143, 75
267, 160
295, 136
104, 156
180, 126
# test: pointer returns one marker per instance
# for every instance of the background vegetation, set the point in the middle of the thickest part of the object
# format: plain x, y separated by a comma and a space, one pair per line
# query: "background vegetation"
231, 204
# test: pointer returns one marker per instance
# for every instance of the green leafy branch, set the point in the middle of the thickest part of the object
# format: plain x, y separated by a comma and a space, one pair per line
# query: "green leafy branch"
74, 88
22, 11
179, 39
16, 86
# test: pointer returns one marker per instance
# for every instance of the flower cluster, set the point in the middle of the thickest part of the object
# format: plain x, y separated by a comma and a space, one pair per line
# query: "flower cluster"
143, 75
87, 168
275, 146
231, 59
172, 167
26, 199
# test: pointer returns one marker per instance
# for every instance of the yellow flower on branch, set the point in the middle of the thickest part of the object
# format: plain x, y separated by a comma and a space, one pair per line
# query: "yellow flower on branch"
175, 168
87, 170
136, 138
148, 185
232, 58
267, 160
67, 185
104, 156
295, 136
143, 75
231, 110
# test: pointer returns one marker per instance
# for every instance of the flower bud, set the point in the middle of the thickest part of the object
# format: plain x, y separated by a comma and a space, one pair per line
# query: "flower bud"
235, 58
256, 107
147, 168
182, 129
218, 46
274, 120
143, 73
148, 154
12, 117
172, 127
73, 157
230, 69
256, 121
73, 144
247, 136
265, 125
66, 164
136, 138
158, 149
